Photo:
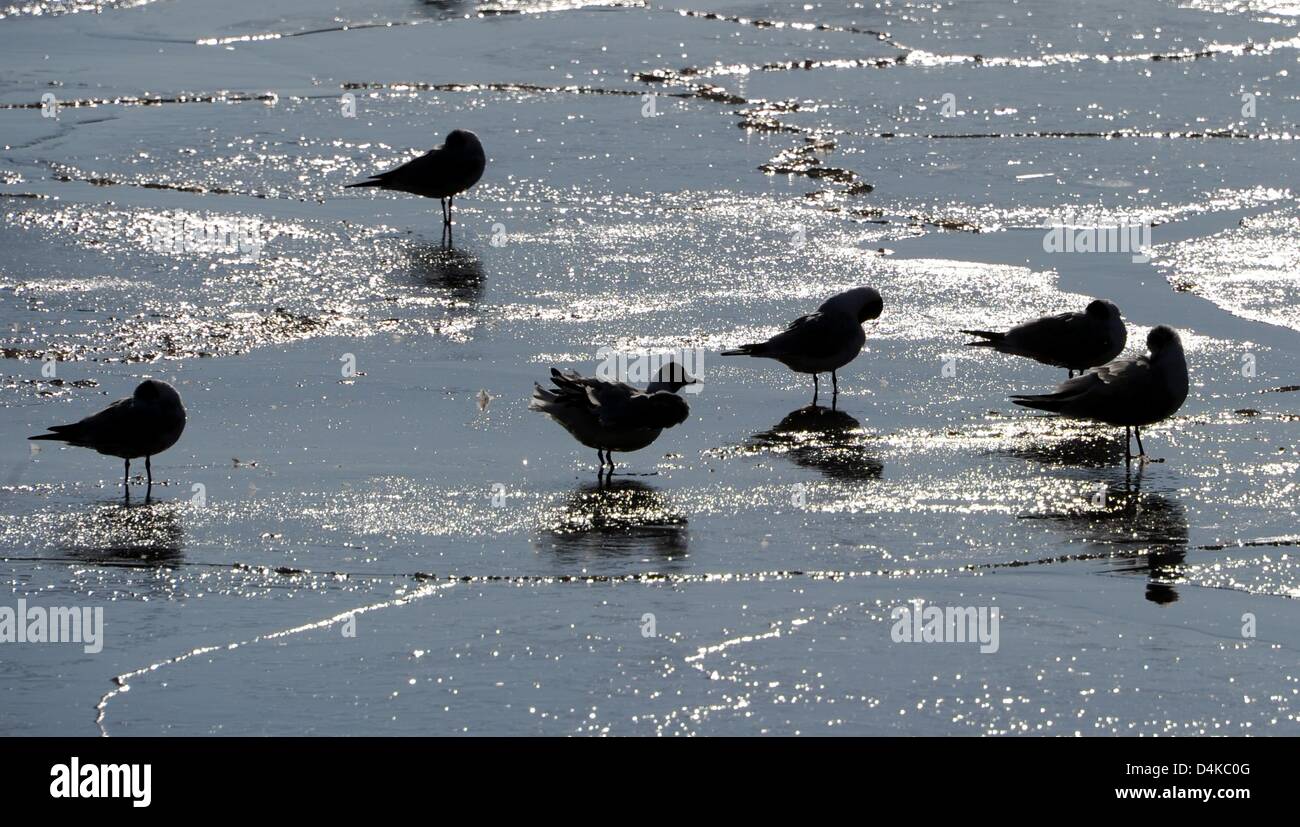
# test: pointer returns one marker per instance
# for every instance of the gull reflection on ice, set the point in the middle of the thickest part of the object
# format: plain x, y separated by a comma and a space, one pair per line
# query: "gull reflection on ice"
824, 439
618, 517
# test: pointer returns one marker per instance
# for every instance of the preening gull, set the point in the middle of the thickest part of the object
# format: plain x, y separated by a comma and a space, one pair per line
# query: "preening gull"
1128, 392
147, 422
1074, 341
614, 416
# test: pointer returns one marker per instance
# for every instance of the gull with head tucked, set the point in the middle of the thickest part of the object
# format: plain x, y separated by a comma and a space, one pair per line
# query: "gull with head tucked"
614, 416
443, 172
1074, 341
823, 341
147, 422
1128, 392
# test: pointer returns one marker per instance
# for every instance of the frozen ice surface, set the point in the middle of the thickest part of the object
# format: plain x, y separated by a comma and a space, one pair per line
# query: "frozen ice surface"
739, 577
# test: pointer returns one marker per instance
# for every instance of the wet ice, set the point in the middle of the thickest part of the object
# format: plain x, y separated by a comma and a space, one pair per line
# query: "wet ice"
769, 541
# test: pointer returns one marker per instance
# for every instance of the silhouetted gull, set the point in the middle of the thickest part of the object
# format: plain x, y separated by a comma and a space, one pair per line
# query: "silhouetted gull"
1128, 392
443, 172
146, 423
614, 416
823, 341
1074, 341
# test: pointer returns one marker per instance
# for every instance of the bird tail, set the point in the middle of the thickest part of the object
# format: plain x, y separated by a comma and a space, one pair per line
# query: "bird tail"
373, 182
542, 399
755, 349
1052, 402
992, 337
569, 388
58, 432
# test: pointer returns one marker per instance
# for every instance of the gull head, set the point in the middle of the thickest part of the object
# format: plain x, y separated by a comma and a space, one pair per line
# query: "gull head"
157, 392
1163, 338
666, 410
862, 303
672, 378
1102, 310
872, 304
461, 139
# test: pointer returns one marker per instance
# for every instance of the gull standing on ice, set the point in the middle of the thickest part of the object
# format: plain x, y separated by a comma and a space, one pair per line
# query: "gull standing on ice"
614, 416
443, 172
146, 423
824, 341
1128, 392
1074, 341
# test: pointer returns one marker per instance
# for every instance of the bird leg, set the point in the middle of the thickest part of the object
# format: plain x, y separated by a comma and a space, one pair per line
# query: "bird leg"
1128, 455
445, 240
814, 389
606, 456
148, 473
126, 479
1069, 373
835, 388
450, 203
1142, 452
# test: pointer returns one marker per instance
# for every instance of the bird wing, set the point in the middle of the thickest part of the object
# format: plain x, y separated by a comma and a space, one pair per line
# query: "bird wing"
619, 410
1115, 379
571, 388
111, 426
616, 404
415, 169
1046, 335
817, 335
1120, 376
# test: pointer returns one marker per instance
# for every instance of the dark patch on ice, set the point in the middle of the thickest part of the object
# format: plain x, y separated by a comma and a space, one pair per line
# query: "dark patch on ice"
951, 224
1110, 135
480, 12
48, 387
51, 8
97, 181
422, 86
762, 117
154, 100
1265, 542
782, 24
